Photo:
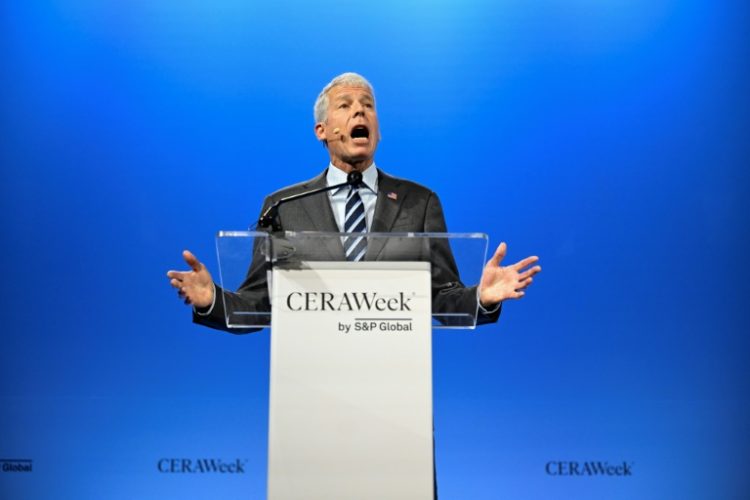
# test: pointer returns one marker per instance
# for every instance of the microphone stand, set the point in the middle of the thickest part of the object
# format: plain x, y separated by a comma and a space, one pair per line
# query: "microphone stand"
270, 217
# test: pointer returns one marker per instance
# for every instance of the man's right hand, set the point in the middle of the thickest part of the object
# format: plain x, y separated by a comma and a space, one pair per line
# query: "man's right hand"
195, 287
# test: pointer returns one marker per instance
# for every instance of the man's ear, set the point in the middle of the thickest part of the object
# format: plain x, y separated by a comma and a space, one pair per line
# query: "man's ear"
320, 131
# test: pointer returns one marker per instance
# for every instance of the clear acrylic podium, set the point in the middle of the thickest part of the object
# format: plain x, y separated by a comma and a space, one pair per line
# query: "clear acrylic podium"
247, 259
350, 410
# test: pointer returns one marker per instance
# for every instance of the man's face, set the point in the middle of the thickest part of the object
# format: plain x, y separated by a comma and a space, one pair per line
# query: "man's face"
351, 128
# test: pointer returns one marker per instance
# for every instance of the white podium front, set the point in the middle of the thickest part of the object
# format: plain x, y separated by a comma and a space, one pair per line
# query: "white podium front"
351, 381
351, 355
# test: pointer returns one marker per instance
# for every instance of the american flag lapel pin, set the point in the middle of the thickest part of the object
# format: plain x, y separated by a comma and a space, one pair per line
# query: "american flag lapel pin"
393, 196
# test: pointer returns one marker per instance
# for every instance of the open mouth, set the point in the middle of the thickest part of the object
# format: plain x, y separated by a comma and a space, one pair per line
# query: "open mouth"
360, 132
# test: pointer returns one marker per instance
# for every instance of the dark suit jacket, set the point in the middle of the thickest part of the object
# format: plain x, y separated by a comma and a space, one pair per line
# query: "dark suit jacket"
410, 208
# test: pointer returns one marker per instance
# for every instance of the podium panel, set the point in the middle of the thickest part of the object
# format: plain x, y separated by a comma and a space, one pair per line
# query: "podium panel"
351, 381
247, 259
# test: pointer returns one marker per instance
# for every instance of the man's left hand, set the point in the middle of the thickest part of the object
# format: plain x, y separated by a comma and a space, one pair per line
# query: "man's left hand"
510, 282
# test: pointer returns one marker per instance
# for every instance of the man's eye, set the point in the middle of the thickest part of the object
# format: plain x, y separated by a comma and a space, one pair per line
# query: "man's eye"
343, 105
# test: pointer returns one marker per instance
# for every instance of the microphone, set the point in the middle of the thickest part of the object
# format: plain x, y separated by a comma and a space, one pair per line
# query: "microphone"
270, 217
354, 179
336, 133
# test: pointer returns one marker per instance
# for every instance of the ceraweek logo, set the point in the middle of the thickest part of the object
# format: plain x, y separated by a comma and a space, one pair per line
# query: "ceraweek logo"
16, 465
590, 468
200, 466
348, 301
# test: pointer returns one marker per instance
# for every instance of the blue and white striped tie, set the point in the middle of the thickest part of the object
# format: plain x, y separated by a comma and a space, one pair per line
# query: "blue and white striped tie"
355, 223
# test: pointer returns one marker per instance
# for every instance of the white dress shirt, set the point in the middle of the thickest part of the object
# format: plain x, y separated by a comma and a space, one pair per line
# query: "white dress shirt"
368, 191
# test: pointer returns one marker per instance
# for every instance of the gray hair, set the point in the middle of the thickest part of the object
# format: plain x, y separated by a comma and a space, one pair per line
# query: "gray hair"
320, 111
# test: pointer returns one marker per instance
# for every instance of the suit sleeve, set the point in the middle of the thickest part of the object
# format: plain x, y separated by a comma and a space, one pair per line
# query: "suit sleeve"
449, 294
251, 297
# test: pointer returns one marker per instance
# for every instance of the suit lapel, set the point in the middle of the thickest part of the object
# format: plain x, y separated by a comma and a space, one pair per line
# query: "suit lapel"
391, 195
318, 210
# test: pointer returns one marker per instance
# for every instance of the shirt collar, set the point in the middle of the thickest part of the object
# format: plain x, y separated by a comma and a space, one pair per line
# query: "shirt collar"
369, 177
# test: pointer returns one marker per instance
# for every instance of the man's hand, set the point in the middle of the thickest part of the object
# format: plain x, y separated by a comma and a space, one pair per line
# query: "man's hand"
195, 286
499, 283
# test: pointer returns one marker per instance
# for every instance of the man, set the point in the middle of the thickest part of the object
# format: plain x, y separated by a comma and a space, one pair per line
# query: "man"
347, 123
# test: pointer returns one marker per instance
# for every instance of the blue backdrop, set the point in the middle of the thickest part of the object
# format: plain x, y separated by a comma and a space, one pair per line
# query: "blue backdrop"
608, 137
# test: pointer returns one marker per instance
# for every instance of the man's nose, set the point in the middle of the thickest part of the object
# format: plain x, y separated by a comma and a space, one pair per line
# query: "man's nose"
358, 109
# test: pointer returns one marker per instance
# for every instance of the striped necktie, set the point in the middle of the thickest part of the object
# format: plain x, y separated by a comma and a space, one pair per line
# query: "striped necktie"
355, 244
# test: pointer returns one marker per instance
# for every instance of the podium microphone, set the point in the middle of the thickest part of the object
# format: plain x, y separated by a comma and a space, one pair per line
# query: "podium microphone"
354, 178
